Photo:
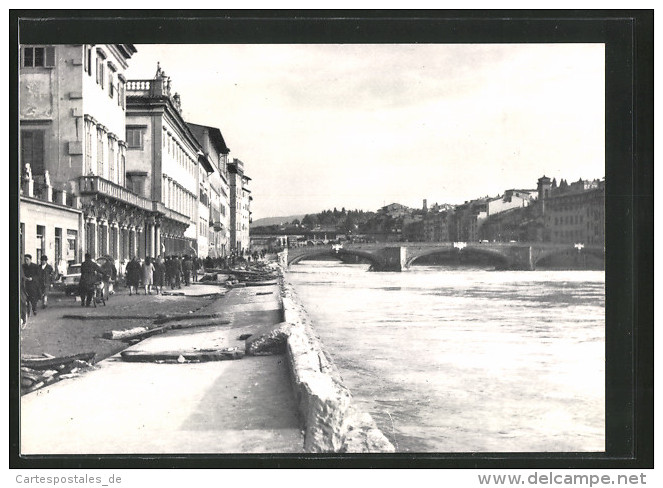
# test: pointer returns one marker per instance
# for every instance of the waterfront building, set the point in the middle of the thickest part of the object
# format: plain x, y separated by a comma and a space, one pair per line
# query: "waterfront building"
467, 220
576, 214
437, 226
215, 149
73, 152
164, 166
240, 205
510, 200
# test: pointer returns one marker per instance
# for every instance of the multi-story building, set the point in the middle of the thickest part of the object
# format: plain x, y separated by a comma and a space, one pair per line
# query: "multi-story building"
163, 167
467, 220
73, 152
510, 200
240, 203
215, 149
576, 214
437, 226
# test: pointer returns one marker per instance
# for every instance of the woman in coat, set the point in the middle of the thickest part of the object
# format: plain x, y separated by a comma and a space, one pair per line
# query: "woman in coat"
133, 275
148, 275
159, 274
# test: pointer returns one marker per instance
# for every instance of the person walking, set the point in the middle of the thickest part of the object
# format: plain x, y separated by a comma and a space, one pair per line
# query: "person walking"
133, 275
196, 267
187, 267
31, 277
91, 273
170, 272
178, 271
46, 276
110, 275
159, 274
148, 275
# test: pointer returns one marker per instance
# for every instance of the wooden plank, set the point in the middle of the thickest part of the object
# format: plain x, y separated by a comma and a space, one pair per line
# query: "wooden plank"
53, 363
201, 355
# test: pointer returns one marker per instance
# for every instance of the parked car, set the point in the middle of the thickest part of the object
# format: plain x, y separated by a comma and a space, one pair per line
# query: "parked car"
72, 279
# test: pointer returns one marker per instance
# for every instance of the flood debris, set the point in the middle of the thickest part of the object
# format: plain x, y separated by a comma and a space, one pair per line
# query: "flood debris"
200, 355
134, 333
44, 363
268, 340
40, 371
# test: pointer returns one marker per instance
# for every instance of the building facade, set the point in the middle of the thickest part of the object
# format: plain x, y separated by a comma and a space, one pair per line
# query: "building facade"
240, 203
73, 149
163, 166
576, 215
218, 189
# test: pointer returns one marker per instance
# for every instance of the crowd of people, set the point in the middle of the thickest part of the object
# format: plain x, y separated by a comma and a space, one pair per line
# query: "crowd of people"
150, 275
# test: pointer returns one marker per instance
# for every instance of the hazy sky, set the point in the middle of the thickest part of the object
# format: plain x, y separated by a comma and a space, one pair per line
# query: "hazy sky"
360, 126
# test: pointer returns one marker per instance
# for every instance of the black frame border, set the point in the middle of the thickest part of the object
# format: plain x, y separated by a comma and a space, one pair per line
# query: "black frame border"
629, 39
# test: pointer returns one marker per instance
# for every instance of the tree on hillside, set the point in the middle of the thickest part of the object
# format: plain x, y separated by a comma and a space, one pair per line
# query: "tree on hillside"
310, 221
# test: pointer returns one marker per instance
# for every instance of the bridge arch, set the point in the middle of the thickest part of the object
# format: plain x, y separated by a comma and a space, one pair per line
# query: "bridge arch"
496, 256
595, 251
311, 253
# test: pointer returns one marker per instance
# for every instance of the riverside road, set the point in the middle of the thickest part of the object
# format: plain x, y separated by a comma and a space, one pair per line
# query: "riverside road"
119, 407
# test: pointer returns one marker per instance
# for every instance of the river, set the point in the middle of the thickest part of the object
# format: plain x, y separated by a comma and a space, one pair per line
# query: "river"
461, 359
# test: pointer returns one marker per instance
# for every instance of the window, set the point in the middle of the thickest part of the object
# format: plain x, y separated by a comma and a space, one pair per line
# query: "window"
88, 60
88, 147
39, 57
100, 70
134, 138
120, 93
41, 242
100, 152
111, 88
58, 245
32, 150
111, 161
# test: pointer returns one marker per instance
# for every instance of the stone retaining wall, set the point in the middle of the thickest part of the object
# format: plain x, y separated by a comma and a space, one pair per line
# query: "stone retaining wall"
331, 421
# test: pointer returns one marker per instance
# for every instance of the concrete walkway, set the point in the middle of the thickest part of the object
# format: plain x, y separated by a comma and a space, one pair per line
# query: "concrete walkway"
240, 406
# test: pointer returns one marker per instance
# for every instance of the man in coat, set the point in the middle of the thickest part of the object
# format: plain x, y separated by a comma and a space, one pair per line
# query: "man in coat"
91, 273
187, 268
31, 281
46, 275
133, 275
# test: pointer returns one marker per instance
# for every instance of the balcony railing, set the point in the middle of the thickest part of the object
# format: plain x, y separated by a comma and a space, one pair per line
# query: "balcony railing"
148, 88
90, 185
170, 214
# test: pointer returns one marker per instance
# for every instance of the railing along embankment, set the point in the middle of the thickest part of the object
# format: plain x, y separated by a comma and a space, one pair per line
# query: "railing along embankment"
332, 423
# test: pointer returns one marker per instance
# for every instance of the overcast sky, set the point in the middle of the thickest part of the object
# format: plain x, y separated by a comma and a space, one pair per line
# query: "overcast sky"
361, 126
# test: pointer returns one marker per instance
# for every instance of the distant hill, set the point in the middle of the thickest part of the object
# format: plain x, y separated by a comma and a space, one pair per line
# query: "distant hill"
275, 220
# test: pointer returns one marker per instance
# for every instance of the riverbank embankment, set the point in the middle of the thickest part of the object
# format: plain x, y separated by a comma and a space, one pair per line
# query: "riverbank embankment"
332, 422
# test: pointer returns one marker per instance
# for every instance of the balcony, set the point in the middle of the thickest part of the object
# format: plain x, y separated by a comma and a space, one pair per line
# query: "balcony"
96, 185
148, 88
170, 214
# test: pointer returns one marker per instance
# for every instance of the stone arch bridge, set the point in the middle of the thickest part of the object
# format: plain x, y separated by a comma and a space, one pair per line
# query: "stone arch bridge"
397, 256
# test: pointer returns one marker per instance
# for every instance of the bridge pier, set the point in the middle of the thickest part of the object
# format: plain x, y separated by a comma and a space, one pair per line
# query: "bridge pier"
521, 258
393, 259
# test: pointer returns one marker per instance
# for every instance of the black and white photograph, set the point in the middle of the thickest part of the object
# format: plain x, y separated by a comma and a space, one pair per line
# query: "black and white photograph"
307, 246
